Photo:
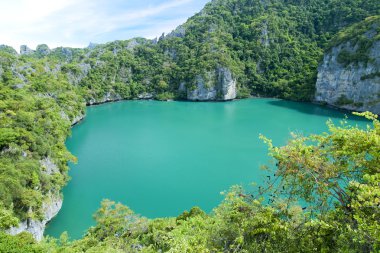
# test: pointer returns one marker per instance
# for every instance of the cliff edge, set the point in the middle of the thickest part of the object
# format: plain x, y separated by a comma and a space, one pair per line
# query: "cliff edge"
349, 76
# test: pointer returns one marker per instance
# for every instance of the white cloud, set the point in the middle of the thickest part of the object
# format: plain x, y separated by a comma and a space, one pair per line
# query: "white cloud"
77, 22
23, 11
129, 18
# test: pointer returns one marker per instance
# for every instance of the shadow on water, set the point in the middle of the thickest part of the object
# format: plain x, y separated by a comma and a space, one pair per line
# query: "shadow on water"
313, 109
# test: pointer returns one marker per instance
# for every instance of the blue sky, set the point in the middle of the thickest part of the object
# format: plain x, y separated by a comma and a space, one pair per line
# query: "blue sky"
76, 23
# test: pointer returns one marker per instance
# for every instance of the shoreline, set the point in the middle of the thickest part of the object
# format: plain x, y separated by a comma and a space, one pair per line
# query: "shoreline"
81, 118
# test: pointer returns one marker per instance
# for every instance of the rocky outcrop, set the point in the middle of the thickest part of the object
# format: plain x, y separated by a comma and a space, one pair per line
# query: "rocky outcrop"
219, 85
145, 95
25, 50
82, 71
135, 42
108, 97
48, 166
179, 32
77, 119
64, 53
37, 227
42, 50
92, 45
265, 35
353, 85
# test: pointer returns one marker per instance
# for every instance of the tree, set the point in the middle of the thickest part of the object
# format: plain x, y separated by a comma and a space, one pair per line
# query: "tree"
320, 168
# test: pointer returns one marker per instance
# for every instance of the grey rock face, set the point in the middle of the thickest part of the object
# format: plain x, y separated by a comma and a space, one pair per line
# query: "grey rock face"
227, 84
75, 78
92, 45
145, 95
179, 32
203, 91
264, 35
37, 227
43, 50
218, 85
108, 97
25, 50
132, 44
77, 119
18, 86
354, 87
182, 87
64, 52
48, 166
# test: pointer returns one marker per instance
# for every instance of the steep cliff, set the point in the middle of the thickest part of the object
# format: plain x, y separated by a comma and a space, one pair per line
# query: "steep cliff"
218, 85
36, 227
349, 76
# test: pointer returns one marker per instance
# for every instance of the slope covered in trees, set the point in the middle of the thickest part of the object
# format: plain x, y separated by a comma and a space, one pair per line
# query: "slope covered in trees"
271, 47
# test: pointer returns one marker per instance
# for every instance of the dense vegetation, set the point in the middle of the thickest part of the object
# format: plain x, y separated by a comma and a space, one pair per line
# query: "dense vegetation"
35, 121
273, 49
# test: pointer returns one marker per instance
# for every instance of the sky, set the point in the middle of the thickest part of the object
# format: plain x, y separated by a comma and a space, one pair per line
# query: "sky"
76, 23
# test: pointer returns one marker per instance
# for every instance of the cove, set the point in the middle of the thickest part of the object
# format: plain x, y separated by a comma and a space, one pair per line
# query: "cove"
161, 158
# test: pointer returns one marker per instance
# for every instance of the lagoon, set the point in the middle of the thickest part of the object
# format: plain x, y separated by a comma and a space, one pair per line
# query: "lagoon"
161, 158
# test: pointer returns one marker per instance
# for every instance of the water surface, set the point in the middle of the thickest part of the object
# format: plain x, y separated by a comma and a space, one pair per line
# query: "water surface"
161, 158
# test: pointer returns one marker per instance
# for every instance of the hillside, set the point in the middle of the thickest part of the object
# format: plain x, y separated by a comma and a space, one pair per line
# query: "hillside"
231, 49
264, 48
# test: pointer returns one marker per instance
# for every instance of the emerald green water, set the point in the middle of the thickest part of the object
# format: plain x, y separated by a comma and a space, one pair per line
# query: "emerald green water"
161, 158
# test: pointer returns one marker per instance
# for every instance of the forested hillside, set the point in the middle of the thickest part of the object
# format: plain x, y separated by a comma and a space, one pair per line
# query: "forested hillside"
232, 48
271, 48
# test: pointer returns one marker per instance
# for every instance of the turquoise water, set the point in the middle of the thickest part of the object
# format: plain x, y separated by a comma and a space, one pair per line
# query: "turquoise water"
161, 158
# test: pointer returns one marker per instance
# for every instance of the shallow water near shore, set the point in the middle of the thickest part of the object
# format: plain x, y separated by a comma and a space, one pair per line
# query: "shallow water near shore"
161, 158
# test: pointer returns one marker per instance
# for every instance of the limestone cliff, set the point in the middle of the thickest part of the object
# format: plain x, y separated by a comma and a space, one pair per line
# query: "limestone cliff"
218, 85
349, 76
108, 97
25, 50
50, 208
36, 227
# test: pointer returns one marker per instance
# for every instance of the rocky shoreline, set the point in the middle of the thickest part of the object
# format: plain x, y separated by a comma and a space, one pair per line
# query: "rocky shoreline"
353, 86
51, 207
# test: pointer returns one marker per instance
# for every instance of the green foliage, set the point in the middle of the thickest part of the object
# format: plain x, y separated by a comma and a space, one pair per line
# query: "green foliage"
165, 96
343, 100
195, 211
21, 243
8, 49
7, 218
321, 171
35, 120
